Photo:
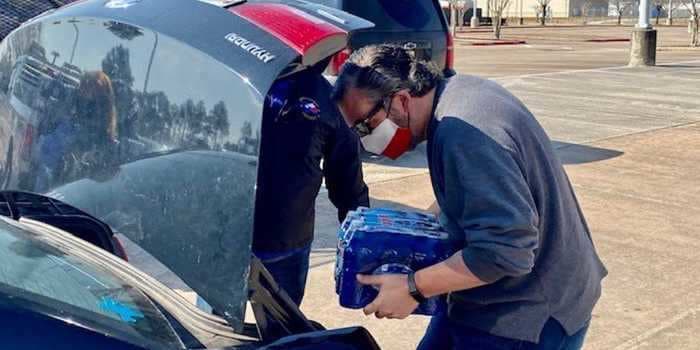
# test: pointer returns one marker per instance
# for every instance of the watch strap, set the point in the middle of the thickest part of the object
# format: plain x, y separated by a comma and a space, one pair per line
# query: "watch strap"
413, 288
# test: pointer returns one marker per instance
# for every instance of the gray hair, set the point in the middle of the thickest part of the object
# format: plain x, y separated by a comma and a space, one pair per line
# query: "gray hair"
382, 70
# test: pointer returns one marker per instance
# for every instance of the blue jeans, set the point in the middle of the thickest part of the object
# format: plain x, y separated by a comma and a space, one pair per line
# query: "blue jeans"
445, 334
289, 269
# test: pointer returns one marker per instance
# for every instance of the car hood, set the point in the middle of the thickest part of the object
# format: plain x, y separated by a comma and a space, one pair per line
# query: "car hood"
176, 174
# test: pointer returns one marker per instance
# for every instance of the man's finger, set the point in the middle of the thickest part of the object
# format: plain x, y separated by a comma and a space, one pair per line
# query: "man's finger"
371, 308
369, 280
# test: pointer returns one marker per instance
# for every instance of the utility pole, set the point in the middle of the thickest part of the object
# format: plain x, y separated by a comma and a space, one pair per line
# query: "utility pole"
475, 19
669, 20
643, 52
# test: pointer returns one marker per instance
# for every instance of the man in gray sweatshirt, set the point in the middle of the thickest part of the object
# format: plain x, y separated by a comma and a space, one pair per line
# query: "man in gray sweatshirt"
526, 275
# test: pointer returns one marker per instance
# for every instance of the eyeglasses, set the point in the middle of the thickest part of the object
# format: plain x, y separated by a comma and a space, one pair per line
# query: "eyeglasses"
362, 128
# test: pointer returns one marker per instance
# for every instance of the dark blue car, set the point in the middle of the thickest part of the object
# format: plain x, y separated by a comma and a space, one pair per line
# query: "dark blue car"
144, 118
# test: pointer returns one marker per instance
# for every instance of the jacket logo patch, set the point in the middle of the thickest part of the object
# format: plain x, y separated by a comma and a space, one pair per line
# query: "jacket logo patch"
250, 47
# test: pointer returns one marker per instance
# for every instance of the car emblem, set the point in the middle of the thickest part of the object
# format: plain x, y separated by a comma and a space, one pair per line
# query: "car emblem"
250, 47
120, 4
309, 108
410, 46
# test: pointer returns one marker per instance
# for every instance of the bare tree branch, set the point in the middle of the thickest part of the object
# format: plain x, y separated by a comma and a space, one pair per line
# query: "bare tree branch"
543, 10
498, 7
620, 7
693, 7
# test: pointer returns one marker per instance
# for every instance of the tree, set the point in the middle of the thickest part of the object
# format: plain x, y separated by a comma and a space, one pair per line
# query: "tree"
672, 6
453, 16
219, 121
543, 7
586, 7
461, 9
117, 66
659, 7
497, 8
693, 7
620, 7
247, 130
198, 121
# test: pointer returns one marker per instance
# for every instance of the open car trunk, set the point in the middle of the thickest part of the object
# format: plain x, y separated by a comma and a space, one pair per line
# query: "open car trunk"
147, 115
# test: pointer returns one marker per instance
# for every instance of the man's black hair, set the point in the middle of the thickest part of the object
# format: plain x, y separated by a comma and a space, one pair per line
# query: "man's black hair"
382, 70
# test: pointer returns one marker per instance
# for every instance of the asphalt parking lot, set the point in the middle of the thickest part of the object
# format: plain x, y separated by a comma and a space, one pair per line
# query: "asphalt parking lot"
555, 49
630, 141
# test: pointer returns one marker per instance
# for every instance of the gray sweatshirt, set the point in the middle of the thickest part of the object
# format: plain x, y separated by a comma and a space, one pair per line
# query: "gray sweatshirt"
506, 199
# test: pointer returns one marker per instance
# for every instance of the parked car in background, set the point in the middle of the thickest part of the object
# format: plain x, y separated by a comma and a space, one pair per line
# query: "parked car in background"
146, 118
419, 25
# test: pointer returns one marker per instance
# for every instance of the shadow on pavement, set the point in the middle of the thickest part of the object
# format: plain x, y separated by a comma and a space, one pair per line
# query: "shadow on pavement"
325, 235
326, 214
379, 203
415, 159
570, 153
684, 66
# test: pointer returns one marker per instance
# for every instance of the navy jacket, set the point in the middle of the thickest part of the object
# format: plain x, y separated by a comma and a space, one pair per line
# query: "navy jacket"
298, 151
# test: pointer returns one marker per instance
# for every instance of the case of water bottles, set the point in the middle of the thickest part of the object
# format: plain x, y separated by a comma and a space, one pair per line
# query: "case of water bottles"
381, 241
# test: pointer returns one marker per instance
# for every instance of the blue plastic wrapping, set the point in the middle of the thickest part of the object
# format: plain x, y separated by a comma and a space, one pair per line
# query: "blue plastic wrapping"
381, 241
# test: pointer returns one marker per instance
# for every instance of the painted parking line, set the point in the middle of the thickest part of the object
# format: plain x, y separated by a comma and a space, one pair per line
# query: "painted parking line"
588, 70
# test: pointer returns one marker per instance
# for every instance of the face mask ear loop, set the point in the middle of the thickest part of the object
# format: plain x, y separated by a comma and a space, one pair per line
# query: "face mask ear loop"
408, 118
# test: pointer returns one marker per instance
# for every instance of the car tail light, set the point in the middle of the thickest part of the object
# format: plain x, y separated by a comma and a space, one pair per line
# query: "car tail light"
450, 56
337, 61
312, 38
119, 248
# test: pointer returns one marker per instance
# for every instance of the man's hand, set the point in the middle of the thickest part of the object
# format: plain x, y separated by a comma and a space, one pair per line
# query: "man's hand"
434, 209
394, 300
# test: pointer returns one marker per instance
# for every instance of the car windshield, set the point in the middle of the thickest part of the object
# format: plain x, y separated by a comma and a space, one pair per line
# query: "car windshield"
35, 273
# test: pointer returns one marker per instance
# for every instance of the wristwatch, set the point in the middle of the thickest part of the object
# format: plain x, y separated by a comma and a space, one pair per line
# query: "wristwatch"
413, 289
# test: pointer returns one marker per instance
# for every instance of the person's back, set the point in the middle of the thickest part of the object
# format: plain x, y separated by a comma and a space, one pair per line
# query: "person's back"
294, 145
480, 131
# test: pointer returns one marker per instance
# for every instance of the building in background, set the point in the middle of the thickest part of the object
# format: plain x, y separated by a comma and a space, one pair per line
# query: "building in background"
532, 8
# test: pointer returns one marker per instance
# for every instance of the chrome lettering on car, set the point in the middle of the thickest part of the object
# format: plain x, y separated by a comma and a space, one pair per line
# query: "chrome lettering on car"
250, 47
120, 4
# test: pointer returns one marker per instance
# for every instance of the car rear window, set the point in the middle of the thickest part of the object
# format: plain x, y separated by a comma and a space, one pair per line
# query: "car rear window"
398, 15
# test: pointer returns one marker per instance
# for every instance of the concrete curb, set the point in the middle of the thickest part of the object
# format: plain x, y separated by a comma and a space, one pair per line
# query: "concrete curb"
607, 40
548, 26
677, 48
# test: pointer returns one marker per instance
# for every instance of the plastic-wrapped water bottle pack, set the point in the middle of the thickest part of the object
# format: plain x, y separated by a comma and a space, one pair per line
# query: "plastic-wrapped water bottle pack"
382, 241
